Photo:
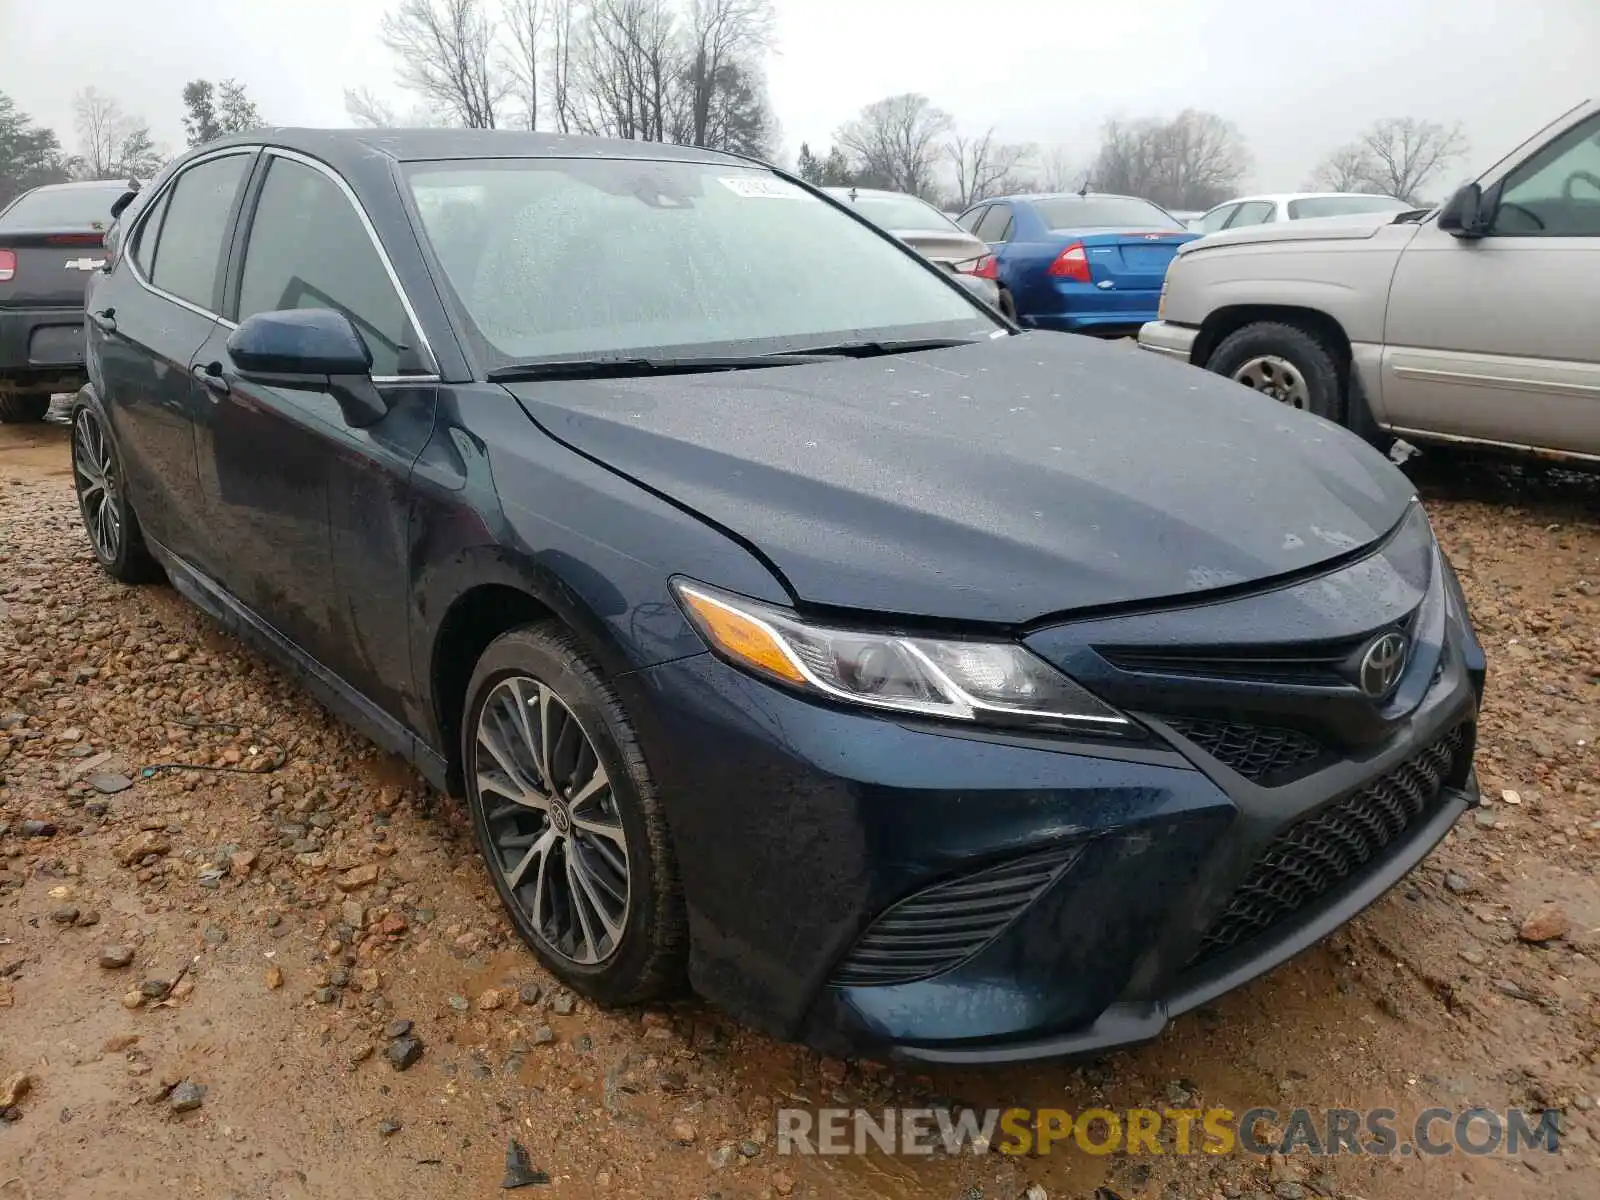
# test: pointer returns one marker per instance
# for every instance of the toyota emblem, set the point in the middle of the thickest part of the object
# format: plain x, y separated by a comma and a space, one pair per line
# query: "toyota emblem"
1382, 665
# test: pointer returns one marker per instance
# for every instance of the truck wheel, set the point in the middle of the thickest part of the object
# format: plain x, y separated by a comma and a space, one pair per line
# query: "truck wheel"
15, 408
1284, 362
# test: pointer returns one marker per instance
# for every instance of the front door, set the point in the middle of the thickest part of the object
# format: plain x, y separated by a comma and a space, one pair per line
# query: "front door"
314, 512
1492, 340
147, 320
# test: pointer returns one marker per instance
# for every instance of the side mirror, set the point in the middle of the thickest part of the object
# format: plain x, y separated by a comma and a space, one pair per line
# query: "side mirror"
310, 349
1464, 215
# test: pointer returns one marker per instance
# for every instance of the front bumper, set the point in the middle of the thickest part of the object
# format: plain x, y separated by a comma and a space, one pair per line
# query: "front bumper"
822, 850
42, 348
1163, 337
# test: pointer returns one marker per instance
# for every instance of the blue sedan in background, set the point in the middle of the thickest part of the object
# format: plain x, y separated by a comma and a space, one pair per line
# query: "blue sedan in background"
1077, 263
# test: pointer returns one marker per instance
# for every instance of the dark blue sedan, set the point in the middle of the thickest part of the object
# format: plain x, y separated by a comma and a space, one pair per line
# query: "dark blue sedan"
1077, 263
790, 624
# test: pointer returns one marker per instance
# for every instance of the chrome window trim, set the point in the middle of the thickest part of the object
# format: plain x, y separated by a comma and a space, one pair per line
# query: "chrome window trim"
372, 236
144, 218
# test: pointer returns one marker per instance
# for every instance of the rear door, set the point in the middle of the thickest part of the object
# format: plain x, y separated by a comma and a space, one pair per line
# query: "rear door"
148, 318
312, 514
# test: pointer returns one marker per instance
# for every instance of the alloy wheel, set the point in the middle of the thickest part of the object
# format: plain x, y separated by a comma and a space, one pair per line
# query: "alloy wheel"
556, 836
1277, 377
94, 473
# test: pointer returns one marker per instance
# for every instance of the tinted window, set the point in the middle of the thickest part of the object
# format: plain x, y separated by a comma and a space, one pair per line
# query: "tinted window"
1096, 212
144, 247
591, 256
309, 249
1340, 206
996, 223
902, 214
1216, 218
969, 220
195, 229
68, 208
1556, 193
1257, 212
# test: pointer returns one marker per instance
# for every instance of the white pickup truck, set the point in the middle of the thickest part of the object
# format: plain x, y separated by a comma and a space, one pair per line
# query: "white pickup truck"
1475, 323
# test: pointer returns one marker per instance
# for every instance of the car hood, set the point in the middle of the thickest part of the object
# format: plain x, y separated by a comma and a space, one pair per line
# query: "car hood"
1003, 481
1350, 227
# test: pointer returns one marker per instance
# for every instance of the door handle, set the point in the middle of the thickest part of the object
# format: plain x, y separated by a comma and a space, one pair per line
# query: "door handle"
105, 319
211, 376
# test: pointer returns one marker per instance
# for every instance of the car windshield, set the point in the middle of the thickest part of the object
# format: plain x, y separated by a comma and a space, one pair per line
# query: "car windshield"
902, 214
64, 208
1102, 212
592, 257
1340, 206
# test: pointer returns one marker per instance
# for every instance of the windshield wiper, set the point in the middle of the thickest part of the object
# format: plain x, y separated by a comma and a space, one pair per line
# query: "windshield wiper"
902, 346
626, 368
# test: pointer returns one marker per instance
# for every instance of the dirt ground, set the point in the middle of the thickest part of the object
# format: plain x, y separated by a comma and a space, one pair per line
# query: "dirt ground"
276, 920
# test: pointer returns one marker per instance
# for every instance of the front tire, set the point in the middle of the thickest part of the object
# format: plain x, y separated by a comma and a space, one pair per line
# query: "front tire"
1284, 362
568, 819
108, 518
17, 408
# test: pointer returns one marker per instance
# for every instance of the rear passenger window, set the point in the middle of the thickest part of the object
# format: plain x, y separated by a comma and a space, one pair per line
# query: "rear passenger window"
144, 246
309, 249
996, 224
194, 231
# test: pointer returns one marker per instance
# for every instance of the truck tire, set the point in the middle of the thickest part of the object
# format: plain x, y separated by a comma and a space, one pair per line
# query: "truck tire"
1284, 362
15, 407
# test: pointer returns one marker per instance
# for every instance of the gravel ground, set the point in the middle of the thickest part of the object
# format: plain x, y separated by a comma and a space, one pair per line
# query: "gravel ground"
288, 977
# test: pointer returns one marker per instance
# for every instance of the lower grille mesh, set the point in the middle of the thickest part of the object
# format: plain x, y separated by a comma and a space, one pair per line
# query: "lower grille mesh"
1261, 753
944, 925
1316, 854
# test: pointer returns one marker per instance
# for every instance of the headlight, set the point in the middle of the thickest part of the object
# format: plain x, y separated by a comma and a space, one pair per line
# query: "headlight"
995, 683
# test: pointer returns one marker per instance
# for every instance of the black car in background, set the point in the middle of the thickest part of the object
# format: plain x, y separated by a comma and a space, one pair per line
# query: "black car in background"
790, 623
51, 240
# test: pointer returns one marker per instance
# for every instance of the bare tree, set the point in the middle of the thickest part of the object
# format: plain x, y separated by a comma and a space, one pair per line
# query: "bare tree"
366, 109
985, 167
1194, 160
444, 48
722, 34
1403, 153
564, 28
895, 142
101, 126
1060, 172
524, 28
628, 69
1347, 169
112, 144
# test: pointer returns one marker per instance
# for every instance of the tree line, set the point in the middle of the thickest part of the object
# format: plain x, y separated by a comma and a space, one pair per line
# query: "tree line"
111, 143
1191, 161
685, 71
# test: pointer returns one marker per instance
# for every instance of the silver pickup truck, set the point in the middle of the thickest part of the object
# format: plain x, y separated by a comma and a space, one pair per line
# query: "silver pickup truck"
1475, 323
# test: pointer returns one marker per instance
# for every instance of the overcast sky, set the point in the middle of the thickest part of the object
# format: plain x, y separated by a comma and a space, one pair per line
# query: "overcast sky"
1297, 76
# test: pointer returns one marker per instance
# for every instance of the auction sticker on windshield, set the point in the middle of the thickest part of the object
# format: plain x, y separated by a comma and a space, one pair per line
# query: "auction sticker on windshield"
756, 187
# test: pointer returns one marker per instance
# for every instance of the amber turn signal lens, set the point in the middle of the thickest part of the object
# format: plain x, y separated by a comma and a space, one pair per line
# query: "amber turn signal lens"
741, 637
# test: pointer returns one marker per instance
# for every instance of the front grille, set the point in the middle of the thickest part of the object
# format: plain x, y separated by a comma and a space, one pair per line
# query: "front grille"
1333, 845
944, 925
1263, 754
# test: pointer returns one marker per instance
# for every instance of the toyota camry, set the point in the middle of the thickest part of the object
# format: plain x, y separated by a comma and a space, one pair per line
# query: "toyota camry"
792, 625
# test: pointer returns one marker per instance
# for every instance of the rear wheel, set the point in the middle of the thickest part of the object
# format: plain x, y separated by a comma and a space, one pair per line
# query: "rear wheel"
108, 518
568, 819
18, 407
1008, 306
1284, 362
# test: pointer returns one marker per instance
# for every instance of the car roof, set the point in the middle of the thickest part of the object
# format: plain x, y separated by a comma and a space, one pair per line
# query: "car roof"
1027, 197
341, 148
1284, 197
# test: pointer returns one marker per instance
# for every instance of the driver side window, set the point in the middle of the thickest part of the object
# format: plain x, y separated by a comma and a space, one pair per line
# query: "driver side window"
1556, 193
